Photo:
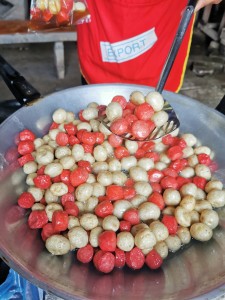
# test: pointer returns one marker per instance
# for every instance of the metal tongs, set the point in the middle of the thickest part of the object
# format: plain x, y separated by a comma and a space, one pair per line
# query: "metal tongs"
23, 91
173, 122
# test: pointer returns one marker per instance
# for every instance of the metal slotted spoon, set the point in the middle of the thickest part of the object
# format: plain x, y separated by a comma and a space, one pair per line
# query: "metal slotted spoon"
173, 122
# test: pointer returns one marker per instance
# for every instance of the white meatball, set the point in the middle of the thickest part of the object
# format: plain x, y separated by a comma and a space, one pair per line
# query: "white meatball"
76, 121
171, 196
182, 216
38, 142
184, 235
94, 125
120, 206
187, 172
145, 163
173, 243
169, 210
49, 197
128, 162
201, 205
213, 185
36, 192
193, 160
78, 152
103, 129
201, 232
138, 174
30, 178
111, 223
162, 249
132, 146
216, 198
188, 202
145, 238
94, 234
155, 99
164, 158
195, 217
30, 167
188, 189
105, 178
109, 148
93, 104
160, 147
137, 200
67, 162
125, 241
143, 188
187, 152
113, 111
53, 133
38, 206
53, 144
202, 149
88, 221
90, 113
73, 222
89, 157
46, 139
62, 128
51, 208
148, 211
119, 178
81, 206
114, 165
98, 189
57, 244
146, 251
137, 98
84, 191
59, 116
200, 195
99, 166
136, 228
90, 204
190, 139
44, 157
59, 189
78, 237
210, 218
62, 151
160, 165
100, 153
160, 230
91, 178
203, 171
84, 125
53, 169
70, 116
160, 118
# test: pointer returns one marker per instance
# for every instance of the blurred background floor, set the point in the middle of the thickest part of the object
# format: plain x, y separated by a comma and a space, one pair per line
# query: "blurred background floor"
204, 78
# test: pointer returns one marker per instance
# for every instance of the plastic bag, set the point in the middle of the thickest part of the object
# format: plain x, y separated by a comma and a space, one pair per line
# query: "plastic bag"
52, 14
16, 287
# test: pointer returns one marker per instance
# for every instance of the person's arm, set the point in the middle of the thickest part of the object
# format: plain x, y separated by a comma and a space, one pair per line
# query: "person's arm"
203, 3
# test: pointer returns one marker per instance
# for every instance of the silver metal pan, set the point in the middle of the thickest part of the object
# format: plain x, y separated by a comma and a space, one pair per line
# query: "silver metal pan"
195, 273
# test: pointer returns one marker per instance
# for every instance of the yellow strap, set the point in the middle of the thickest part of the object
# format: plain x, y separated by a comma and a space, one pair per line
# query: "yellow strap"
187, 56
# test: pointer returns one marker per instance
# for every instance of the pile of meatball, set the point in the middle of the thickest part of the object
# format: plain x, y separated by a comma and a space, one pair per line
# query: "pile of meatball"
116, 201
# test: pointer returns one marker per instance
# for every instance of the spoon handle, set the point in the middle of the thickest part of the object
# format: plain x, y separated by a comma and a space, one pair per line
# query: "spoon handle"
185, 20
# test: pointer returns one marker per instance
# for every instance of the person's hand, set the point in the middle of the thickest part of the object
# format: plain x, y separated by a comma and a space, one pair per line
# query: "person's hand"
203, 3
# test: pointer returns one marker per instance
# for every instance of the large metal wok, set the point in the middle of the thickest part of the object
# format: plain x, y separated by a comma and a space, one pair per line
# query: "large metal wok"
197, 272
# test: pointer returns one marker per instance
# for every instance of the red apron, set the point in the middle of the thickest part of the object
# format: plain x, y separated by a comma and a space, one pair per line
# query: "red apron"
128, 41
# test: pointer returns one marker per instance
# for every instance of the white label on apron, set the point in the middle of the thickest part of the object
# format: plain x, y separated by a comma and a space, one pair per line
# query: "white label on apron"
128, 49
